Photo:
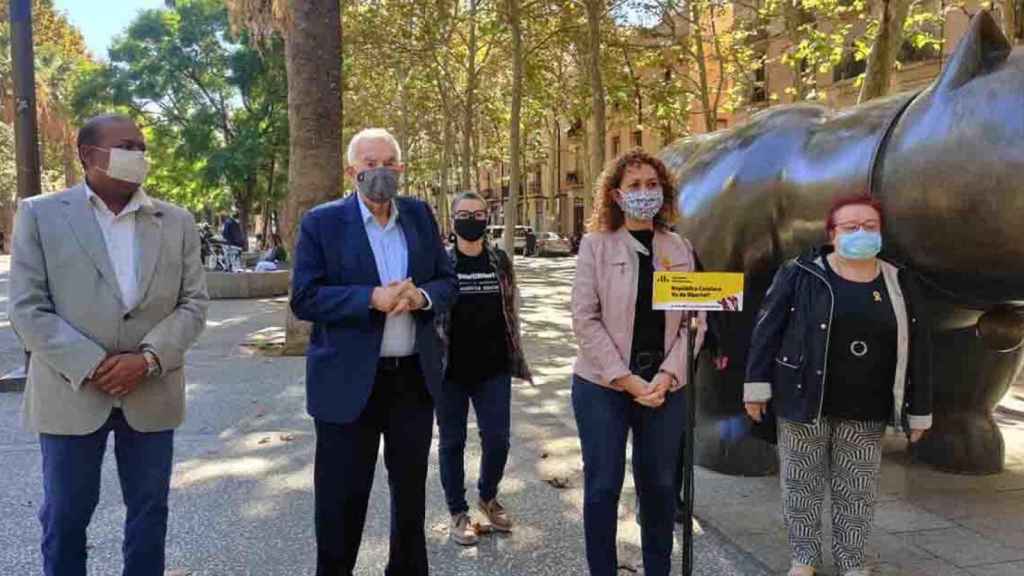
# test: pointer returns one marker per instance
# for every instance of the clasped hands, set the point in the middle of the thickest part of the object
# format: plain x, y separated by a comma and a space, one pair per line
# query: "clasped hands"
398, 298
650, 394
120, 374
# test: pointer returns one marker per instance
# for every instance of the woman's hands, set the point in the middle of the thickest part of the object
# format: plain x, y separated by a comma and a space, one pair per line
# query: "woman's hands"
650, 394
756, 410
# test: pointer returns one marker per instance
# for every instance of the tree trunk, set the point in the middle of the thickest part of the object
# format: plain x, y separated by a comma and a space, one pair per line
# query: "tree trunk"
794, 15
313, 60
515, 173
446, 164
709, 114
595, 11
1013, 20
878, 77
469, 108
268, 202
70, 154
403, 121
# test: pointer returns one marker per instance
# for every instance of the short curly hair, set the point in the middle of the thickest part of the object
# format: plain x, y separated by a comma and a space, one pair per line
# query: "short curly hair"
607, 215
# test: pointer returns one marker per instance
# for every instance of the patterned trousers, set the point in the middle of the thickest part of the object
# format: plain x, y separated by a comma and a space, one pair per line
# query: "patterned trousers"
845, 454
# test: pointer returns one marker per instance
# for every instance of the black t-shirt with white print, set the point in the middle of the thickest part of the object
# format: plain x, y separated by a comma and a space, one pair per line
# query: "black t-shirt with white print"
478, 336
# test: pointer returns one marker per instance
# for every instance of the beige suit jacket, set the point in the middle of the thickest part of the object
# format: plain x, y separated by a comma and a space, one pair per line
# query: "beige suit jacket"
66, 307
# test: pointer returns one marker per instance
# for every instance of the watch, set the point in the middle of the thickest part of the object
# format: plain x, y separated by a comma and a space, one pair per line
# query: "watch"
152, 363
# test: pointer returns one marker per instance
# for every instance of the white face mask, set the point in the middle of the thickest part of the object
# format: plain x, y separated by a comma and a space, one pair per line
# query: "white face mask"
127, 165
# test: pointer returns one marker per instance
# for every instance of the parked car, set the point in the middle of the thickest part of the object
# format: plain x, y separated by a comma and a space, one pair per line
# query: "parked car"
551, 244
497, 231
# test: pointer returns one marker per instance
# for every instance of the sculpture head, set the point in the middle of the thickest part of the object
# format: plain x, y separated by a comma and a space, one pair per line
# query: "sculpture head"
952, 176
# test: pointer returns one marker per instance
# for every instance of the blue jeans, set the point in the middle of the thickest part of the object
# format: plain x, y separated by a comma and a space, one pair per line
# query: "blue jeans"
604, 418
492, 399
71, 490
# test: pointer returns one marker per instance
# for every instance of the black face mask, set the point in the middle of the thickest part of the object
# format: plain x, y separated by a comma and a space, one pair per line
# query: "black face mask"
470, 229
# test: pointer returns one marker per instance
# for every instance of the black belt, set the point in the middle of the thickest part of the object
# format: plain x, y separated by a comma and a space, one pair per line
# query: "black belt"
396, 363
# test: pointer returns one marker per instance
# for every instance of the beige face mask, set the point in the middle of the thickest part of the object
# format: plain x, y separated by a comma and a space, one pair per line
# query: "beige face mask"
127, 165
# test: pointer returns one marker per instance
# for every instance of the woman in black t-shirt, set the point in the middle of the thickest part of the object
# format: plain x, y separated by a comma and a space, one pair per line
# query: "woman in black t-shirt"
840, 352
482, 353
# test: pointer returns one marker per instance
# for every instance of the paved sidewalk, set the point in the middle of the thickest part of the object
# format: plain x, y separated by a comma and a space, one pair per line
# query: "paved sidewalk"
242, 490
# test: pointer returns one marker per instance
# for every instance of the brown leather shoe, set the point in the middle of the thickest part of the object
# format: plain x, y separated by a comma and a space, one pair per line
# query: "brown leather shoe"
496, 515
462, 530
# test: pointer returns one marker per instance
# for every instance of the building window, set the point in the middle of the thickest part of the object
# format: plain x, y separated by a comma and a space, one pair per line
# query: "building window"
723, 123
638, 139
849, 67
759, 93
572, 178
616, 145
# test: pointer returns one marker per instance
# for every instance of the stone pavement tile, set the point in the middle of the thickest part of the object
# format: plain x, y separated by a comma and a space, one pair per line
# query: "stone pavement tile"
904, 478
1008, 569
1006, 529
770, 548
927, 568
902, 516
963, 505
964, 547
899, 555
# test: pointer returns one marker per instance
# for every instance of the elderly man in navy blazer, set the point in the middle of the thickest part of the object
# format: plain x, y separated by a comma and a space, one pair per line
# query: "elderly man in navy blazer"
371, 273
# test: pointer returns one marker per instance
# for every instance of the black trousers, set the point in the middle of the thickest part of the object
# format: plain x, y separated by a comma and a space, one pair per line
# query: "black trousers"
401, 410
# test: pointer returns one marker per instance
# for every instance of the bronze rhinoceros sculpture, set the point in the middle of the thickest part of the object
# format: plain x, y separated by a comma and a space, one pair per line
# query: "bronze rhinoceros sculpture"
947, 164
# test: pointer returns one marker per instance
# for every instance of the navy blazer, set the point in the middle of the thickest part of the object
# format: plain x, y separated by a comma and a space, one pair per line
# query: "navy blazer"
333, 278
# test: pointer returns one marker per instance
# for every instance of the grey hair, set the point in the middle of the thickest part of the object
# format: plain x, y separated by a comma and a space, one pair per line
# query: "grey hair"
372, 134
468, 195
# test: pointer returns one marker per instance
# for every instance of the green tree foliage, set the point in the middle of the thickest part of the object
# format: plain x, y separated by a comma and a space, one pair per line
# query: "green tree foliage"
214, 106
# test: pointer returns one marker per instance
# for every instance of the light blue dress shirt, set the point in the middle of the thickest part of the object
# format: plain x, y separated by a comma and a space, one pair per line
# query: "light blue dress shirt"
391, 253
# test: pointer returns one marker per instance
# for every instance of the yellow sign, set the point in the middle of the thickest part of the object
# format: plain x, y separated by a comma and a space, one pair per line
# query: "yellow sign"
710, 291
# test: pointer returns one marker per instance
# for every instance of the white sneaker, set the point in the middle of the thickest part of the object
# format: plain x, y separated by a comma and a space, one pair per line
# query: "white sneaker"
858, 572
801, 570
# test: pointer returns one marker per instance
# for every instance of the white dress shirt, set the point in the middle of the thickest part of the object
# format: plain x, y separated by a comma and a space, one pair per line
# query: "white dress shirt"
391, 253
119, 236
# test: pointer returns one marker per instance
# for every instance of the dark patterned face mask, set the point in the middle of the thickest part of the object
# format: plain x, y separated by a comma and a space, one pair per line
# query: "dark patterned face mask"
379, 184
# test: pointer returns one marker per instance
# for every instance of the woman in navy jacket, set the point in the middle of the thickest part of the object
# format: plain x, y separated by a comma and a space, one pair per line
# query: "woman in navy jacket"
840, 350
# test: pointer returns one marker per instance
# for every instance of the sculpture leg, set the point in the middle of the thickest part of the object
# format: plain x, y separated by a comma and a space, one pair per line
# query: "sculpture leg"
969, 381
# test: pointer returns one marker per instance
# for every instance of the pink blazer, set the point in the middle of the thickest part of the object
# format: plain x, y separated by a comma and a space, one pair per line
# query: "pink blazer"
604, 303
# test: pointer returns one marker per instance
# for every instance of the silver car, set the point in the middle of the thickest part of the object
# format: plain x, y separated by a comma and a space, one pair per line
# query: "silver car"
551, 244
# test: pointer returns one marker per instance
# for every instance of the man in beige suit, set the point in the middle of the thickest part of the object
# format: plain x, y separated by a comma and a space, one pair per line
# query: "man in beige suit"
107, 293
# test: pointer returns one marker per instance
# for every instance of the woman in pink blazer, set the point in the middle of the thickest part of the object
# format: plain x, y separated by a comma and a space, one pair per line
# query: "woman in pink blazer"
632, 360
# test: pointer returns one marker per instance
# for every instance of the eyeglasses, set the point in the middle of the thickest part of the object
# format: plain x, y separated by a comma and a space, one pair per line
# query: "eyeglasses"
467, 215
851, 227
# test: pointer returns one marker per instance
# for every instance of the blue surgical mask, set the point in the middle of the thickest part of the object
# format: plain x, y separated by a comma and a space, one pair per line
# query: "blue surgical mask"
859, 245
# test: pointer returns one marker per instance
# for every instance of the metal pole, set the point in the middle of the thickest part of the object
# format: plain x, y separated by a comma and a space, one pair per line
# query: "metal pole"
691, 406
26, 129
